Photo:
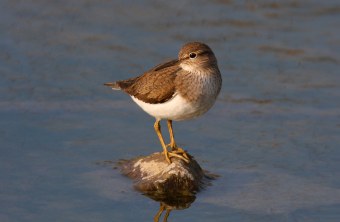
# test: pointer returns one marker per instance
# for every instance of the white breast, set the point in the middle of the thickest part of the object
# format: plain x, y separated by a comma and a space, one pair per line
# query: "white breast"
177, 108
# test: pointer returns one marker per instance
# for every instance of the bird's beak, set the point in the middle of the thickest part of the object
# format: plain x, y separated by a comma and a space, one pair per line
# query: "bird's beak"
110, 84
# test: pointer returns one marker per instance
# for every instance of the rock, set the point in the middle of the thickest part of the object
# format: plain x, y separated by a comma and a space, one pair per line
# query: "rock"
154, 176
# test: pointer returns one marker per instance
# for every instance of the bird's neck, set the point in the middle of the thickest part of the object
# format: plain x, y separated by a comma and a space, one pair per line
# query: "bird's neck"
200, 69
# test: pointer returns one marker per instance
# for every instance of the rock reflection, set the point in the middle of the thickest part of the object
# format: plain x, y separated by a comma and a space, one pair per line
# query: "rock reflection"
172, 185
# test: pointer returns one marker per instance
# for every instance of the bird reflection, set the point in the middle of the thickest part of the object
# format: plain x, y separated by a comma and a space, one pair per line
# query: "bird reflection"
170, 202
162, 208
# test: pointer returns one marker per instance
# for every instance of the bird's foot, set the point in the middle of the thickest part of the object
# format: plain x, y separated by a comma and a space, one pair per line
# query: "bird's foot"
172, 154
178, 152
181, 152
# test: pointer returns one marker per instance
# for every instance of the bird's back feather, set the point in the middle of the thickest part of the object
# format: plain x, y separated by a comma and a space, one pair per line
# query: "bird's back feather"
154, 86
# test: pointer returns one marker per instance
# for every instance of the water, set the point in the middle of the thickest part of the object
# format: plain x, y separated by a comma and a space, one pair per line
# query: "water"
273, 135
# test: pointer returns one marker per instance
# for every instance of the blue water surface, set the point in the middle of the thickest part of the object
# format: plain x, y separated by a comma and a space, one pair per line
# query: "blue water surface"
272, 136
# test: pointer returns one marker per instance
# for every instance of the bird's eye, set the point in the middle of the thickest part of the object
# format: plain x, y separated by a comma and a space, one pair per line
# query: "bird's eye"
192, 55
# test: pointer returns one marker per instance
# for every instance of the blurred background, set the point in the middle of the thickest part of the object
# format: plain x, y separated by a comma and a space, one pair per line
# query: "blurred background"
272, 136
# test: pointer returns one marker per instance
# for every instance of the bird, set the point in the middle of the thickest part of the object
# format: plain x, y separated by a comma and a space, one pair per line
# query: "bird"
176, 90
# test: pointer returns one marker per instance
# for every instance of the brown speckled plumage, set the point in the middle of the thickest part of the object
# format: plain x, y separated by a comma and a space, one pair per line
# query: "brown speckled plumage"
154, 86
160, 83
180, 89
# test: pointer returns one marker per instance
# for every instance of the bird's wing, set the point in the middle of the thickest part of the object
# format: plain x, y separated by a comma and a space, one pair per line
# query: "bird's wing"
154, 86
164, 65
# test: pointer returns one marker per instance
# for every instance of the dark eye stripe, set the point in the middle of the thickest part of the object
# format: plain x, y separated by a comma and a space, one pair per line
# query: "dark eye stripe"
197, 54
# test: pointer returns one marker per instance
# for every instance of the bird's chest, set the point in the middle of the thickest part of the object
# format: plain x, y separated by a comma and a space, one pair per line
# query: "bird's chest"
198, 88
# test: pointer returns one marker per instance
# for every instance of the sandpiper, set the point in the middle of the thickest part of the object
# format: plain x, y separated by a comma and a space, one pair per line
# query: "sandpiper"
180, 89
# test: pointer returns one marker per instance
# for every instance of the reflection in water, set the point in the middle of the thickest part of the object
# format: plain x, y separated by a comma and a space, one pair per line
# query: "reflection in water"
172, 185
169, 202
171, 194
159, 213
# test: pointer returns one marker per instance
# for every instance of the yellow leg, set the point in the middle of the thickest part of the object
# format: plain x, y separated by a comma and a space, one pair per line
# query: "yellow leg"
173, 145
157, 127
167, 154
171, 133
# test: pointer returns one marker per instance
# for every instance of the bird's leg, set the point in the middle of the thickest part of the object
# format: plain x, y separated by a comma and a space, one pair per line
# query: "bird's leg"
173, 145
167, 154
157, 127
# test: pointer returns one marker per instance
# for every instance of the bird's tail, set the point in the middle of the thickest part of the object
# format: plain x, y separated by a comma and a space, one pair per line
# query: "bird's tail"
113, 85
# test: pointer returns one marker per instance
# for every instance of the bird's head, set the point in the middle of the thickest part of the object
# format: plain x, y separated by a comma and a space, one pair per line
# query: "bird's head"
196, 56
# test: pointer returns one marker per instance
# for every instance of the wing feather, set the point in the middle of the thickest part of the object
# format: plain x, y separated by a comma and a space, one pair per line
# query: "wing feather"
154, 86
